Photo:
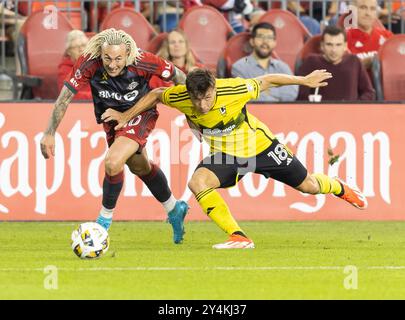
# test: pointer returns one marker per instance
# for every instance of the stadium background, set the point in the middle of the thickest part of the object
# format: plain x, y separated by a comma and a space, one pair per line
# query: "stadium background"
367, 137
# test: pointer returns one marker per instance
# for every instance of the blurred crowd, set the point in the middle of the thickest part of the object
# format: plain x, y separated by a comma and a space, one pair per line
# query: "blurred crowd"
343, 48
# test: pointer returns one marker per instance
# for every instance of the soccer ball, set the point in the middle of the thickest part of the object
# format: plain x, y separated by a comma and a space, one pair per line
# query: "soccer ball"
90, 240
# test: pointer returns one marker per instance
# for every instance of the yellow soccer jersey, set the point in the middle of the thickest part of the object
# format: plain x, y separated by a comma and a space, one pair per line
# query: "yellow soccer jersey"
227, 127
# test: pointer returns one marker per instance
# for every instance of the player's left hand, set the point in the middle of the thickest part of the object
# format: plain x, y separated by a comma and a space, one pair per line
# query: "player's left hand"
114, 115
317, 78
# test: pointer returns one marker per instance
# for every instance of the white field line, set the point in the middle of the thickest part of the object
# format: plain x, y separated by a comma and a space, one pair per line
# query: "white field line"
264, 268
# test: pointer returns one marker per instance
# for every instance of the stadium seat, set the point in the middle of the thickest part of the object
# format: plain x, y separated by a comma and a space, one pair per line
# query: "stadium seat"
388, 69
207, 31
98, 11
155, 44
313, 45
237, 47
40, 49
133, 23
290, 32
72, 10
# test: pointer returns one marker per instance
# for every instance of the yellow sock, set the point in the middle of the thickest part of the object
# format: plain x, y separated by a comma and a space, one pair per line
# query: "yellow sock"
216, 208
327, 184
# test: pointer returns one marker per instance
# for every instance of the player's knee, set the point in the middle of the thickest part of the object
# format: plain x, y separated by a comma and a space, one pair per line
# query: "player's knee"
198, 184
194, 185
113, 165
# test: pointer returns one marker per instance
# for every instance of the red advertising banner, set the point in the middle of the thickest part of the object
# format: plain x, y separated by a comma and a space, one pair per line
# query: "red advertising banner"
69, 187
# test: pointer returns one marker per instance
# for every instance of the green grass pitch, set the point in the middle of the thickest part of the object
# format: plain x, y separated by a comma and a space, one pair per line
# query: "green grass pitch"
292, 260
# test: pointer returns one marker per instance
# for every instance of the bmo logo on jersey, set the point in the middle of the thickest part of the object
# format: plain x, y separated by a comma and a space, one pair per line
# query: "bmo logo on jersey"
130, 96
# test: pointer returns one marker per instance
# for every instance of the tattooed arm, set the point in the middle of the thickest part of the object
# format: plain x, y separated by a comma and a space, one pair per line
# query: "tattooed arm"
179, 77
61, 104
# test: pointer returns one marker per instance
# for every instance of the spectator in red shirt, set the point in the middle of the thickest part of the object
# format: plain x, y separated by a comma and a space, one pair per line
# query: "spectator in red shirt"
350, 80
365, 40
75, 43
177, 50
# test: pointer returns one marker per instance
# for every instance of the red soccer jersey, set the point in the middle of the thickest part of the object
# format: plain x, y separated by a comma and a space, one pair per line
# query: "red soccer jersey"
120, 92
366, 45
64, 69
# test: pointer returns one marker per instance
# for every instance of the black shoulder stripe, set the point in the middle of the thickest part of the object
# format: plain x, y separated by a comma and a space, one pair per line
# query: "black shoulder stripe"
233, 90
231, 87
184, 93
178, 99
231, 93
238, 90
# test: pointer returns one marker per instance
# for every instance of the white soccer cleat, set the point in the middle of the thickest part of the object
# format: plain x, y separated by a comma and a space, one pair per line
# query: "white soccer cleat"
235, 242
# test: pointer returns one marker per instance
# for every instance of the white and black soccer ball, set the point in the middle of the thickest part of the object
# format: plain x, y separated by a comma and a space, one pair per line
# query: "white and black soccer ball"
90, 240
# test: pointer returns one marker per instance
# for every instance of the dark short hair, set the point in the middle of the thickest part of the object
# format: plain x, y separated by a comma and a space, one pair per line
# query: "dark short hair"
263, 25
199, 81
333, 31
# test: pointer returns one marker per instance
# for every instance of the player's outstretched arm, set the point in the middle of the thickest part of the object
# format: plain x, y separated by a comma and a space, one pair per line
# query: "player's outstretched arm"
315, 79
48, 140
145, 103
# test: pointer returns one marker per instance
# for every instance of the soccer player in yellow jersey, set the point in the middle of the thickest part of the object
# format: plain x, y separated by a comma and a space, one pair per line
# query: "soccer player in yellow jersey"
239, 142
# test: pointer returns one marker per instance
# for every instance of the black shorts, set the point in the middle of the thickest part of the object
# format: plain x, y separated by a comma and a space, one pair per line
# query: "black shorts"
276, 162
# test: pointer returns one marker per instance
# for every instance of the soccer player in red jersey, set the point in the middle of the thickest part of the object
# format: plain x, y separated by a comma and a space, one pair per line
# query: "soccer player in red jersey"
119, 73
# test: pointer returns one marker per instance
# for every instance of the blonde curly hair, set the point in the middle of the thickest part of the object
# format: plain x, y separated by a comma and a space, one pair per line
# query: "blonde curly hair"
112, 37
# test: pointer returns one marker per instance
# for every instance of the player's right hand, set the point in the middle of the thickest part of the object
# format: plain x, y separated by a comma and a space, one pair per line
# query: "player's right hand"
114, 115
47, 145
317, 78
